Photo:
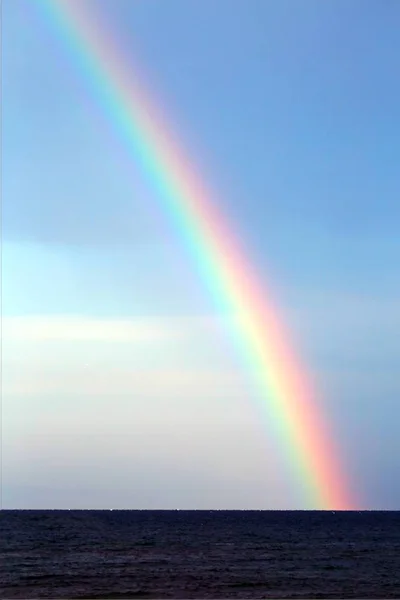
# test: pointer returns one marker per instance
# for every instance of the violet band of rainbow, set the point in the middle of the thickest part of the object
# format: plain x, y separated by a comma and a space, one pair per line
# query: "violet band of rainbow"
288, 398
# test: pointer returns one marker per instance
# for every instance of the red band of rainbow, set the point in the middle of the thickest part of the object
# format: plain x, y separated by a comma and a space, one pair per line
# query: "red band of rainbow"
259, 334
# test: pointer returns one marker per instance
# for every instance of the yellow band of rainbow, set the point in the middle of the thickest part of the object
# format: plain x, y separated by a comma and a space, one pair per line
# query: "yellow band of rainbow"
288, 399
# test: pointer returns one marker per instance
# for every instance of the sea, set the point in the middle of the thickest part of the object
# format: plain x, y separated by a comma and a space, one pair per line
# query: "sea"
199, 554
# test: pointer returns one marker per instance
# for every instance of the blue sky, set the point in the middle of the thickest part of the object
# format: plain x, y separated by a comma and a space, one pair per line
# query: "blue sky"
289, 111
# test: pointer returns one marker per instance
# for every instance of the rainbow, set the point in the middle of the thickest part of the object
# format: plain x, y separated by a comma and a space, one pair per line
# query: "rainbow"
258, 331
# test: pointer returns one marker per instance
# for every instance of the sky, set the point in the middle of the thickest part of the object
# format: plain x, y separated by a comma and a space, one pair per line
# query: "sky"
121, 388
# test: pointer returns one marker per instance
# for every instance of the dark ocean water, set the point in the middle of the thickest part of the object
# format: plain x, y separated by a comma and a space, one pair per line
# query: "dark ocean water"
199, 554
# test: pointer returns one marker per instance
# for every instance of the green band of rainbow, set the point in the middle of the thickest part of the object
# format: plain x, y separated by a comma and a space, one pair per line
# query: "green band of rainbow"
259, 334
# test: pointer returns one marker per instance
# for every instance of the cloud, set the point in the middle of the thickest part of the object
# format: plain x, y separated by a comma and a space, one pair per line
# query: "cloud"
65, 328
62, 373
170, 389
144, 332
172, 424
